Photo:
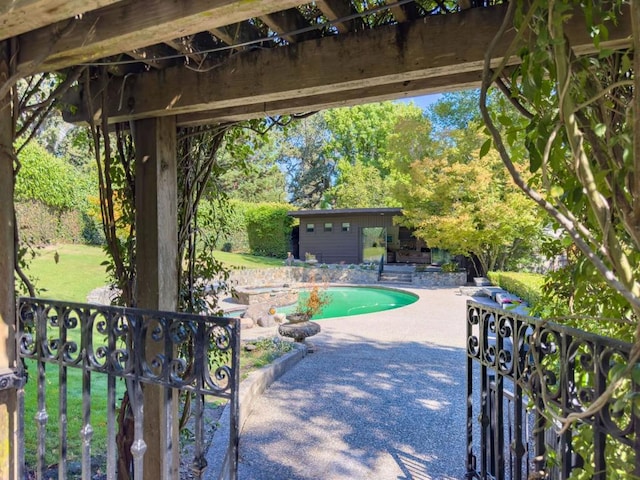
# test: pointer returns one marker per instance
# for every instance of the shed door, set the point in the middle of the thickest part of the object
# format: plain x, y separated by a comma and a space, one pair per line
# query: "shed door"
374, 244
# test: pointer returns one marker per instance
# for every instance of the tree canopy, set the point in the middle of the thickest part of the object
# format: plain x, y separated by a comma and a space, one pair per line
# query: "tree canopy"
464, 203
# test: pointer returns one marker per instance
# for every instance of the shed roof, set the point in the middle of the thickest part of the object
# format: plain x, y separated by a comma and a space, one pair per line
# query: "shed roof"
346, 212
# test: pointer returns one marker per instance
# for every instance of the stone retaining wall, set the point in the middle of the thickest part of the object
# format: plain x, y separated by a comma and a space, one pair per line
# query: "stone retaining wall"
274, 277
340, 275
266, 277
440, 279
277, 296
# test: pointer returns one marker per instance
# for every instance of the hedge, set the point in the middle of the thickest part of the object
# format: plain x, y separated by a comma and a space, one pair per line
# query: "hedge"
269, 229
256, 228
527, 286
40, 224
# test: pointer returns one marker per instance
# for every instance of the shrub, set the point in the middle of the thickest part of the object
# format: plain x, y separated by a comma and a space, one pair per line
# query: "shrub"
52, 199
92, 230
225, 226
450, 267
48, 179
40, 224
527, 286
269, 229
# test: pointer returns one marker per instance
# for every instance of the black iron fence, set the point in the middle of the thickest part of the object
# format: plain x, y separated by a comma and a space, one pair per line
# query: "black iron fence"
524, 377
123, 347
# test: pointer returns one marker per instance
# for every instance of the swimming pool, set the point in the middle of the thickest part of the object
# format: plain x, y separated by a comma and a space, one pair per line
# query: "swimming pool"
347, 301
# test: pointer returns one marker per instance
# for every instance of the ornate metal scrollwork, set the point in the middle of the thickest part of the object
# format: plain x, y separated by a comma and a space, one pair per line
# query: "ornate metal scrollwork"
533, 373
190, 352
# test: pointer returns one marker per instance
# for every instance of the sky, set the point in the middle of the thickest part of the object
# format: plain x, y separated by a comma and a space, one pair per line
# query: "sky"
423, 101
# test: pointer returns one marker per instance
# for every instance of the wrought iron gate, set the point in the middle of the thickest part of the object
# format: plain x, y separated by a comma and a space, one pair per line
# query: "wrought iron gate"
181, 352
523, 376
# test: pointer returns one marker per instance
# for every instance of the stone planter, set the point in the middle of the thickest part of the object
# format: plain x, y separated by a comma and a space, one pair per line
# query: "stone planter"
297, 317
299, 331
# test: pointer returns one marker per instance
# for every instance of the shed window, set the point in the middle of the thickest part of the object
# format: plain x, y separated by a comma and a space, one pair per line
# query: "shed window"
346, 226
311, 228
328, 227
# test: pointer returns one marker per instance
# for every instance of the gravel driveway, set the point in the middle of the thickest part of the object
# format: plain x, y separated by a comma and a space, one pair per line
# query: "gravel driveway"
383, 397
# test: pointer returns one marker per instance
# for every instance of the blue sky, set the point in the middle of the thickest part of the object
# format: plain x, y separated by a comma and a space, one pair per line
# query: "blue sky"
423, 101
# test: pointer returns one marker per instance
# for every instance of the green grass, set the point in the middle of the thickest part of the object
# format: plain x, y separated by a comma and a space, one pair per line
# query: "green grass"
74, 413
77, 272
245, 260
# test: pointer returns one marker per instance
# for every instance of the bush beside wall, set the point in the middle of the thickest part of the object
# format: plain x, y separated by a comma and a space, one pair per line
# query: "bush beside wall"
527, 286
256, 228
41, 225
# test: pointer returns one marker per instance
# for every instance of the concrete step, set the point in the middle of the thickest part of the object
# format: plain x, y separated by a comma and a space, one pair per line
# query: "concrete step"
396, 277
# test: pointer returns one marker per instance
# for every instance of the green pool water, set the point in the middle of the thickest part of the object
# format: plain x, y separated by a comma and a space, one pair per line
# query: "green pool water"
346, 301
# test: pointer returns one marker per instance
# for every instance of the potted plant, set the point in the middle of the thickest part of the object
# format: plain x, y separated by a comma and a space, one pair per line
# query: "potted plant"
309, 306
310, 258
298, 325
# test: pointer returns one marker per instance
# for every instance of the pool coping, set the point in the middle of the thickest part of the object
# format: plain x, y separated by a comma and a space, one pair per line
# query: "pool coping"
229, 307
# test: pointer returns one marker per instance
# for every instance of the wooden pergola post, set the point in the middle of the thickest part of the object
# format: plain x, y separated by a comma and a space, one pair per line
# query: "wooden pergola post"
9, 441
157, 275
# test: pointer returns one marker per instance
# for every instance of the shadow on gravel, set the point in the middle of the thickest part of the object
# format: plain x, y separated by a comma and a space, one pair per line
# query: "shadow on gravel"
362, 410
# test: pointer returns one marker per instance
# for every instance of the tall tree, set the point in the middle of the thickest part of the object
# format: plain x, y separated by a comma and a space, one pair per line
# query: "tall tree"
455, 110
362, 133
250, 170
363, 141
360, 186
303, 155
465, 204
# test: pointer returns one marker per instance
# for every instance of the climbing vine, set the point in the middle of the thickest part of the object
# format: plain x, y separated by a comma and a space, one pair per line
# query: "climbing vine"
579, 127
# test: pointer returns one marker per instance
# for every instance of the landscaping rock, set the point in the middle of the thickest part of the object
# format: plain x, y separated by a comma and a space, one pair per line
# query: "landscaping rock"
267, 321
257, 311
246, 322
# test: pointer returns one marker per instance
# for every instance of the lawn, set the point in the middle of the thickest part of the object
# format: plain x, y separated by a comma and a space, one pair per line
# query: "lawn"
245, 260
78, 269
77, 272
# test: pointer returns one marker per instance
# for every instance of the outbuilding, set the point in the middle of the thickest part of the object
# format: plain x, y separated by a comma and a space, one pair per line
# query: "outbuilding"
359, 235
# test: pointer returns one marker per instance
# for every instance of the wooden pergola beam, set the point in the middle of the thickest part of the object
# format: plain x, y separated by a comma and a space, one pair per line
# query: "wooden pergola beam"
289, 21
183, 45
346, 98
155, 56
236, 33
403, 13
432, 47
20, 16
9, 436
387, 55
336, 9
102, 33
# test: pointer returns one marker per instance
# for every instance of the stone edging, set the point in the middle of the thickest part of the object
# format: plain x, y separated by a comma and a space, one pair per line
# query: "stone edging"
218, 456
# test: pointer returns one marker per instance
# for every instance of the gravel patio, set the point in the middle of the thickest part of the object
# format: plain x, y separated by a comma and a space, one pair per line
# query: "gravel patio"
382, 397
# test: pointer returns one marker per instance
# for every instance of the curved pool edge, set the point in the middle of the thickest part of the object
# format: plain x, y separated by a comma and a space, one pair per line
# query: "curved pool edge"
235, 309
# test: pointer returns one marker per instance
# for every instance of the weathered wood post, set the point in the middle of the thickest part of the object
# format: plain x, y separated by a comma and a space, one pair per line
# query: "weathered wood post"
157, 275
9, 440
